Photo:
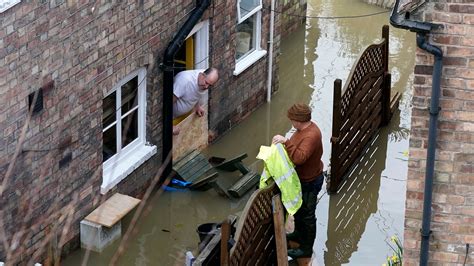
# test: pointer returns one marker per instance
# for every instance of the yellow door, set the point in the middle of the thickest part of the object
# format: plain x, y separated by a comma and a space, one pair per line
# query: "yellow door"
184, 58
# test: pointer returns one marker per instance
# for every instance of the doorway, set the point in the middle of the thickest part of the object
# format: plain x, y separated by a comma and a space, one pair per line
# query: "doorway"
194, 53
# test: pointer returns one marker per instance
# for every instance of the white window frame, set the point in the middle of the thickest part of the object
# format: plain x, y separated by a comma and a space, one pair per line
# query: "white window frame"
6, 4
247, 60
201, 44
130, 157
241, 19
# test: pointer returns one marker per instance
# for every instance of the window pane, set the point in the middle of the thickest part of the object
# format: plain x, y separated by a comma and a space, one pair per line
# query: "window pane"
129, 95
129, 128
108, 108
109, 143
246, 6
245, 37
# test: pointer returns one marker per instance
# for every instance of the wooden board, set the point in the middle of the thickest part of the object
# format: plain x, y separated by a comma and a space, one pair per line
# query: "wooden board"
193, 135
112, 210
229, 165
244, 184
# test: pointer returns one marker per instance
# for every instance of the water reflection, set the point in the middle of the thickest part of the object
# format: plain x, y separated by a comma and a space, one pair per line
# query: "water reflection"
354, 225
356, 201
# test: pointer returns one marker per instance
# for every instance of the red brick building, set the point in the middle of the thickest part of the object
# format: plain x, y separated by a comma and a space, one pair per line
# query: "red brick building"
452, 217
90, 73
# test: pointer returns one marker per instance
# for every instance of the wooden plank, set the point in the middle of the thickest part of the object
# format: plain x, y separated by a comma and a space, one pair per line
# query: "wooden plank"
208, 253
202, 182
244, 184
112, 210
225, 231
368, 83
363, 110
263, 238
348, 154
280, 233
357, 138
371, 114
192, 166
195, 171
180, 163
228, 165
191, 163
358, 149
336, 126
241, 167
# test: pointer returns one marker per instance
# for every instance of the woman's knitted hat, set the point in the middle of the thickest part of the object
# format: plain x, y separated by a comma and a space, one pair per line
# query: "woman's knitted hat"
300, 112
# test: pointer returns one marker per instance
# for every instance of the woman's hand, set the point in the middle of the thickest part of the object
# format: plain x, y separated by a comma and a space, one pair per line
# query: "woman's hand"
278, 139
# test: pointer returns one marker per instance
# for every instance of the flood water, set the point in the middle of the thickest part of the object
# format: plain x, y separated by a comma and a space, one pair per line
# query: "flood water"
354, 226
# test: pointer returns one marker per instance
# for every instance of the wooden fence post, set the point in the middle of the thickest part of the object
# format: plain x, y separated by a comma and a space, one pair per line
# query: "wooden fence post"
386, 97
225, 236
386, 37
336, 126
386, 87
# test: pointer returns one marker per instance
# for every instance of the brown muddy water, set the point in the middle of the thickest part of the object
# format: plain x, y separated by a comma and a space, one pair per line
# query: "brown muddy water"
354, 227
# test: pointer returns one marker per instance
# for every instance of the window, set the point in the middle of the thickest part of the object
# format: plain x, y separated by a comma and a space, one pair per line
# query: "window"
123, 134
247, 8
248, 34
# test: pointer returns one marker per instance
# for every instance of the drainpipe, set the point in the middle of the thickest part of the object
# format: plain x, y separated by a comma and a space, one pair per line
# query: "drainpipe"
270, 51
430, 157
168, 77
422, 29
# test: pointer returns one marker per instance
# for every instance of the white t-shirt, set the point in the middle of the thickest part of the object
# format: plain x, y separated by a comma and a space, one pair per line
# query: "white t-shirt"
186, 89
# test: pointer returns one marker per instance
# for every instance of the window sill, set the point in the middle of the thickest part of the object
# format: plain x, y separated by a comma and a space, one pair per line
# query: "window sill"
248, 60
115, 173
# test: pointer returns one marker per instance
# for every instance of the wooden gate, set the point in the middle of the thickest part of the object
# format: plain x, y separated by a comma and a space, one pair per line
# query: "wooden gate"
364, 106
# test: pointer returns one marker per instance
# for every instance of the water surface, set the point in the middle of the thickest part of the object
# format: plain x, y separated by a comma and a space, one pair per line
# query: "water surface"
354, 226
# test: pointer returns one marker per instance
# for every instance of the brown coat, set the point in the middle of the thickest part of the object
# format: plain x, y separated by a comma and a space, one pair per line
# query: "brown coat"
305, 149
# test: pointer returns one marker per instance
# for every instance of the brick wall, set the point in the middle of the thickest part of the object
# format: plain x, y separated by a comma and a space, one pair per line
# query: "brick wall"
453, 191
236, 96
85, 49
239, 95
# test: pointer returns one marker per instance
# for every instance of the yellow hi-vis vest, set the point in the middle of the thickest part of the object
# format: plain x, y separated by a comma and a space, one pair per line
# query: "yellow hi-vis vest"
277, 165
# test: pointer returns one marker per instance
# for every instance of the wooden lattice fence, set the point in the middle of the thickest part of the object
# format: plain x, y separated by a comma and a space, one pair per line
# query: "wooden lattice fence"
364, 106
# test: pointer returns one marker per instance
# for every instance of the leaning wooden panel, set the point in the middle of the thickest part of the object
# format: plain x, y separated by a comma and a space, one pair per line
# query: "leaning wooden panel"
256, 242
359, 109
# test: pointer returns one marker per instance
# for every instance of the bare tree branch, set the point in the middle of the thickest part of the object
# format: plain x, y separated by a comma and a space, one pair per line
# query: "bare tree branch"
137, 214
18, 148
